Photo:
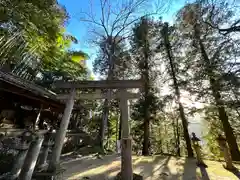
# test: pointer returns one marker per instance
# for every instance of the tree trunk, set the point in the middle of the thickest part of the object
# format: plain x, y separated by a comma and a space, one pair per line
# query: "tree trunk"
178, 139
176, 136
185, 130
75, 127
146, 124
231, 139
110, 76
146, 143
103, 125
215, 88
177, 90
120, 128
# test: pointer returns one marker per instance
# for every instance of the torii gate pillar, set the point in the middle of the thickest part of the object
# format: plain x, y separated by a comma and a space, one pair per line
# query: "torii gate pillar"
126, 162
61, 133
122, 85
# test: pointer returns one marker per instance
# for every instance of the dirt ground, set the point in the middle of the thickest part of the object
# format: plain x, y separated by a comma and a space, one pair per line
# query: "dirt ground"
151, 168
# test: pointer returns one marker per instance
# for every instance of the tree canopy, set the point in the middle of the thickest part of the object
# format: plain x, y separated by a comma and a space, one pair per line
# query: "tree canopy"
189, 67
33, 38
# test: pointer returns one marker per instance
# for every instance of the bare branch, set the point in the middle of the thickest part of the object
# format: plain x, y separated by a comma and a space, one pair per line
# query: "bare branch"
115, 16
214, 9
102, 19
113, 24
230, 30
217, 52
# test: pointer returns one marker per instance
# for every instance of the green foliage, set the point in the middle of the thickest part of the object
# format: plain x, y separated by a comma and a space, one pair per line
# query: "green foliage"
215, 128
212, 54
195, 30
33, 39
145, 110
120, 62
29, 27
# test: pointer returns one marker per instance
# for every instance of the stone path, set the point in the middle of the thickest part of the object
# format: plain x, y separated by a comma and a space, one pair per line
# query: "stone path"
151, 167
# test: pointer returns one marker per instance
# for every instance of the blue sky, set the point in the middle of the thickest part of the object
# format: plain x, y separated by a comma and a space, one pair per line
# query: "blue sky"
78, 29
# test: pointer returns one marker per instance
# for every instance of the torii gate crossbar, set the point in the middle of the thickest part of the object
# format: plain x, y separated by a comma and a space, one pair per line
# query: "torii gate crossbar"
122, 94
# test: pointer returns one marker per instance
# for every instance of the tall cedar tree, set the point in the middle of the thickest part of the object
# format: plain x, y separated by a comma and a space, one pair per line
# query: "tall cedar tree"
117, 69
167, 46
141, 37
210, 64
148, 104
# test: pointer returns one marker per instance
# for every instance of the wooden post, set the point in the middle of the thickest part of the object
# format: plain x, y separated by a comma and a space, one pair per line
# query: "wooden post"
227, 156
126, 144
61, 133
47, 143
38, 118
31, 159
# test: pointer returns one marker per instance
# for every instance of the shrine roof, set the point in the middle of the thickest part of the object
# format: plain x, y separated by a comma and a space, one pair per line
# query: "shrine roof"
28, 89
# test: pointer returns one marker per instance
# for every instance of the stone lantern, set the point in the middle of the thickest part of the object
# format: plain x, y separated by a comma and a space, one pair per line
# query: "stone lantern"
197, 148
47, 144
22, 148
21, 145
224, 149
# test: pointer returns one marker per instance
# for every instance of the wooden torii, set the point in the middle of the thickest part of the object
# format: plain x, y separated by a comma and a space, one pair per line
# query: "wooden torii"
122, 94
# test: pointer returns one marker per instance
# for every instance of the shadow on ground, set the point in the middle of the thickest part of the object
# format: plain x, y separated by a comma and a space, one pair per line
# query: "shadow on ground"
204, 173
93, 167
150, 167
236, 172
189, 169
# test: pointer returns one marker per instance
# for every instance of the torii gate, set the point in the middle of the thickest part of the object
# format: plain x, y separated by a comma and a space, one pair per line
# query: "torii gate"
122, 94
